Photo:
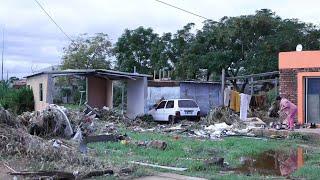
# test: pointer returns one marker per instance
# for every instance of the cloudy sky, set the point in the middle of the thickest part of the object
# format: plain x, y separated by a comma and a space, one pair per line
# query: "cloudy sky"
33, 42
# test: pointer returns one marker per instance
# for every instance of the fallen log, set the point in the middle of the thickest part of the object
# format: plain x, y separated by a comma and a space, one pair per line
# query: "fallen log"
54, 174
62, 174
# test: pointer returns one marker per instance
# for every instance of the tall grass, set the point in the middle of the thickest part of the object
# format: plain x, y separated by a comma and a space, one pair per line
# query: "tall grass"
17, 100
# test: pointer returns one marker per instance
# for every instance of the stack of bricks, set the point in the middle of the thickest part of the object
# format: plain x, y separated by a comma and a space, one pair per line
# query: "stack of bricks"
288, 82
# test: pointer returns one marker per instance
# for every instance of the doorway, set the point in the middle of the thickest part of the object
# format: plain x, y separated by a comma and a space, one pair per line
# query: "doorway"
312, 89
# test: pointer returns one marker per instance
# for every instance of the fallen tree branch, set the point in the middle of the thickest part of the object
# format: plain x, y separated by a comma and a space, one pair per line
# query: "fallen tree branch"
62, 174
56, 174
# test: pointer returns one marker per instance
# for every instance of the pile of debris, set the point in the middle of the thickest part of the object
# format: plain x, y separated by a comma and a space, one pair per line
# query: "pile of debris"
220, 122
17, 142
7, 118
60, 154
224, 115
51, 122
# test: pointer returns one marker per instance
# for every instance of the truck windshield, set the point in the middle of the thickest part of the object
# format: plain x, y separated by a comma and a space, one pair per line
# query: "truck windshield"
187, 104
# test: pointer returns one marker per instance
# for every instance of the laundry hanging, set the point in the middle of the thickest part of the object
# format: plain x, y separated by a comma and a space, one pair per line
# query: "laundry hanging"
238, 99
244, 105
235, 101
227, 93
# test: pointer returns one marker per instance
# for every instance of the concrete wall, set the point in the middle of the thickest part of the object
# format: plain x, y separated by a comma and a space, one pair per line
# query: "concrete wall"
207, 95
34, 84
155, 93
137, 97
100, 92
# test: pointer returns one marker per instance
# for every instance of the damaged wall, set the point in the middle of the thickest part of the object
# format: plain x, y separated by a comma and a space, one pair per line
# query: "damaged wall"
137, 97
100, 92
34, 83
205, 94
155, 93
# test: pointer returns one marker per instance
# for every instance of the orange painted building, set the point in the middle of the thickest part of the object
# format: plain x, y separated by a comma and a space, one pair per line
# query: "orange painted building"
300, 83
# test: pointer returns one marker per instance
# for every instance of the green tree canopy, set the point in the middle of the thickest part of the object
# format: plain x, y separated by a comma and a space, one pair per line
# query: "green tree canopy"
245, 44
88, 52
134, 48
242, 45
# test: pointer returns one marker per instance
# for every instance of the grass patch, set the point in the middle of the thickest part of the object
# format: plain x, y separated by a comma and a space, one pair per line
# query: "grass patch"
75, 107
188, 152
311, 168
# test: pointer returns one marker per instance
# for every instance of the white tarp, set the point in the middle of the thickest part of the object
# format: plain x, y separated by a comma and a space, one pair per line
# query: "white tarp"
244, 105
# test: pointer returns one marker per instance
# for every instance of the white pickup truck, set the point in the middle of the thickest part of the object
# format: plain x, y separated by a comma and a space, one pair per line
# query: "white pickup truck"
174, 109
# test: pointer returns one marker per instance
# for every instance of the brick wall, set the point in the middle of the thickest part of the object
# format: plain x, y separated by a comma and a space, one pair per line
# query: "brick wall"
288, 82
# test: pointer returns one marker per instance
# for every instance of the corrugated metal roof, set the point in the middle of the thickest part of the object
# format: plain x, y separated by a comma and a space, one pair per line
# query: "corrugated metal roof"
85, 72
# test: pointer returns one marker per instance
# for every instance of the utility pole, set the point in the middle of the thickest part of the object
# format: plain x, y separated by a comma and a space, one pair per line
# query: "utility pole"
2, 54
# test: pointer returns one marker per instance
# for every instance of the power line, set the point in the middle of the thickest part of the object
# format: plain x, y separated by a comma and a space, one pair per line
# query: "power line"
60, 28
182, 9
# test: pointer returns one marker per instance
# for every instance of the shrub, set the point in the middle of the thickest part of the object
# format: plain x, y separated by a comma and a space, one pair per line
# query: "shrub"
271, 96
18, 100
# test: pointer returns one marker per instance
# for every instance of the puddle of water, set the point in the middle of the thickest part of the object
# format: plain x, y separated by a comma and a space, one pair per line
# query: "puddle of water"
277, 163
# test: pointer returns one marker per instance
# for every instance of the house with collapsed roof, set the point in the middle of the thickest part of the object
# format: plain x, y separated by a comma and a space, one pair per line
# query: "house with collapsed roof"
300, 83
99, 88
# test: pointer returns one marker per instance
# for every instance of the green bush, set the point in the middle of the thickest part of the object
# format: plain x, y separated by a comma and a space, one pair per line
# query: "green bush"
271, 96
17, 100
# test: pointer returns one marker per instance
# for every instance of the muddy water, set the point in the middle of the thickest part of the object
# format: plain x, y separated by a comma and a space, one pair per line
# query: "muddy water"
277, 163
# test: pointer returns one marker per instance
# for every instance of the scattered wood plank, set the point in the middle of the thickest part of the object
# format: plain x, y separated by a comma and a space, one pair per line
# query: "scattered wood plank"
101, 138
92, 109
7, 166
158, 166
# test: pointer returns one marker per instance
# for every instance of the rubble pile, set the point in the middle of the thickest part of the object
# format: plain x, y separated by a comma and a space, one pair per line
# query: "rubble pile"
16, 141
221, 114
224, 115
7, 118
24, 118
60, 154
110, 115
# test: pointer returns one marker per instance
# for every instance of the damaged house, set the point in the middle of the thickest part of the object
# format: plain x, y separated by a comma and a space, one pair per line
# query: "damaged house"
99, 88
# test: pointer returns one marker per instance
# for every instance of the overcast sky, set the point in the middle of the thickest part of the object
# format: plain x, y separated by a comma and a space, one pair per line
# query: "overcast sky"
33, 42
